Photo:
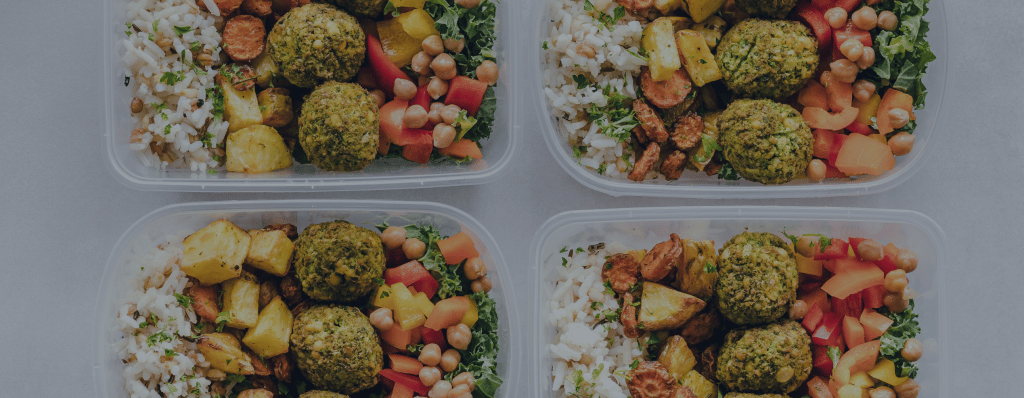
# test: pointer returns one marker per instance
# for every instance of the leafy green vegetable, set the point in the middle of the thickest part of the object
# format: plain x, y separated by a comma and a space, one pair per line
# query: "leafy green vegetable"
390, 9
904, 327
476, 25
727, 172
903, 54
447, 276
708, 146
484, 124
615, 120
480, 358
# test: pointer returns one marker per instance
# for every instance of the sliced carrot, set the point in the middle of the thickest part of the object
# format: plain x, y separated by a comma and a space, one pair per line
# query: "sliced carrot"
813, 95
457, 248
397, 337
853, 332
447, 312
462, 149
875, 324
404, 364
840, 95
852, 277
859, 358
863, 155
893, 99
819, 118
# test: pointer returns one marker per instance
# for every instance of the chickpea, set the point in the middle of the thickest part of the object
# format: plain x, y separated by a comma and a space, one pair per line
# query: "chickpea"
434, 116
380, 97
430, 375
430, 355
444, 135
381, 319
867, 59
487, 72
468, 3
908, 389
895, 302
881, 392
437, 106
870, 250
887, 21
137, 105
836, 17
415, 117
899, 117
455, 45
482, 284
798, 310
844, 70
444, 66
433, 45
901, 144
865, 18
464, 378
393, 237
852, 49
414, 248
421, 63
474, 268
405, 89
863, 90
458, 390
906, 260
895, 281
912, 350
807, 245
816, 173
437, 87
459, 336
450, 360
440, 389
449, 113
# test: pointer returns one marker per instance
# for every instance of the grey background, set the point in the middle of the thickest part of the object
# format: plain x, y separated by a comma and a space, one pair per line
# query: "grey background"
61, 211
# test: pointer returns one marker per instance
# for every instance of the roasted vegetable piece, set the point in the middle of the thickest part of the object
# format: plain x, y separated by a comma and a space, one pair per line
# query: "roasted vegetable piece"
256, 393
256, 149
270, 335
661, 48
204, 301
215, 253
701, 387
702, 326
275, 107
241, 108
697, 58
270, 250
699, 269
621, 271
664, 308
662, 259
712, 29
267, 73
700, 10
242, 300
668, 6
223, 352
649, 379
702, 154
677, 358
402, 37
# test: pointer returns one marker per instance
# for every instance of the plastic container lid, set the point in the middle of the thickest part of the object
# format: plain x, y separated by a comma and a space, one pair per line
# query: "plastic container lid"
498, 151
698, 185
152, 230
645, 227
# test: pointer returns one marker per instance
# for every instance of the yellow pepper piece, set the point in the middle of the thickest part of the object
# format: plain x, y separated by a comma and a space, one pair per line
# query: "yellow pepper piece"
402, 37
862, 380
885, 371
879, 138
407, 313
868, 109
850, 391
472, 314
382, 298
423, 303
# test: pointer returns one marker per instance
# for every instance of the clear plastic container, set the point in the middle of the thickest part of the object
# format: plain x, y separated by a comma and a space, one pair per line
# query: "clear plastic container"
498, 151
644, 227
153, 228
699, 185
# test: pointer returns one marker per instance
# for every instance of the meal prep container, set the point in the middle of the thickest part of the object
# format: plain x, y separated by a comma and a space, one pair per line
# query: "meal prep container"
498, 151
645, 227
697, 184
152, 229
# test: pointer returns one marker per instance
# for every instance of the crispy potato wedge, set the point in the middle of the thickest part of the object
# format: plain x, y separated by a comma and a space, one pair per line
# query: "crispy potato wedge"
270, 250
256, 149
215, 253
223, 352
700, 10
661, 48
677, 358
241, 108
697, 58
270, 335
698, 271
663, 308
256, 393
242, 300
701, 387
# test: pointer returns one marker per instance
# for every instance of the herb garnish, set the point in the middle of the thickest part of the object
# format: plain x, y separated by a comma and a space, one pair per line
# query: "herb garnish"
904, 327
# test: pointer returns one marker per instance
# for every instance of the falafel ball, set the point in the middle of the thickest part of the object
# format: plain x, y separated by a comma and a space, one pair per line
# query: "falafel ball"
757, 278
767, 59
766, 8
359, 8
774, 358
765, 141
322, 394
316, 43
336, 348
339, 127
338, 261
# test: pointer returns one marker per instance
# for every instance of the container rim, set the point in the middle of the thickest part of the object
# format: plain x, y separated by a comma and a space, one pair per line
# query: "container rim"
929, 227
507, 294
316, 183
910, 164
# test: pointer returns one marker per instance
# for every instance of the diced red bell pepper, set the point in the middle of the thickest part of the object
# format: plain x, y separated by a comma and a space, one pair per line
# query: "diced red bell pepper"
854, 304
838, 306
838, 248
395, 257
418, 145
814, 19
849, 5
823, 5
832, 172
383, 69
872, 296
813, 318
408, 381
405, 364
850, 31
860, 128
833, 154
422, 98
467, 93
829, 329
822, 363
888, 263
433, 336
855, 242
823, 140
412, 274
818, 297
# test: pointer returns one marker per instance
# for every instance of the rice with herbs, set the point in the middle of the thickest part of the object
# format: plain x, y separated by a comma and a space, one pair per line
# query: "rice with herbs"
582, 42
170, 49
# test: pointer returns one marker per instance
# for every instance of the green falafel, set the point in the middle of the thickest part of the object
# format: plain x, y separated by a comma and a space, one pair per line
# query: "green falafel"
767, 59
359, 8
774, 358
765, 141
766, 8
317, 43
338, 261
757, 278
339, 127
336, 348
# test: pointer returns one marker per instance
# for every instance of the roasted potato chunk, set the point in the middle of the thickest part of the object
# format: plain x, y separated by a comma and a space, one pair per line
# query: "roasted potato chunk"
276, 107
661, 48
242, 300
700, 10
241, 108
256, 393
267, 72
270, 335
677, 358
215, 253
663, 308
223, 352
256, 149
699, 269
700, 155
701, 387
712, 29
697, 57
270, 250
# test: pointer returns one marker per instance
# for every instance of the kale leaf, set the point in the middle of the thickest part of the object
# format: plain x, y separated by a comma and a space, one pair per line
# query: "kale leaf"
903, 55
904, 327
480, 358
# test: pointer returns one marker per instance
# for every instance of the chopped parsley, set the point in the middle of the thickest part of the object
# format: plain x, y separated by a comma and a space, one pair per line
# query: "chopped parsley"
581, 81
180, 30
615, 120
904, 327
167, 129
709, 268
183, 300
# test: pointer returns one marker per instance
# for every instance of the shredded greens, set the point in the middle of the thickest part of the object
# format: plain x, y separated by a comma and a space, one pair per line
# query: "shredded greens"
476, 25
615, 120
904, 327
447, 276
480, 358
904, 54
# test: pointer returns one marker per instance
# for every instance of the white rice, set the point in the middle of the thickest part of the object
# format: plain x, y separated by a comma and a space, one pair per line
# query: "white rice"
589, 357
148, 370
613, 64
169, 132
